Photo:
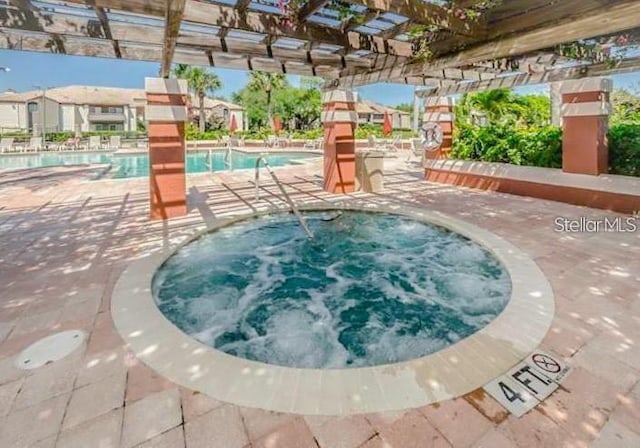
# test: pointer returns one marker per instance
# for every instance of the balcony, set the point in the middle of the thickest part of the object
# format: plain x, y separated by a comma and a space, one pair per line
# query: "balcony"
117, 117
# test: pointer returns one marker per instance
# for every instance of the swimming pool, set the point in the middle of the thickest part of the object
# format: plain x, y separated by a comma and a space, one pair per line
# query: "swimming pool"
369, 289
137, 165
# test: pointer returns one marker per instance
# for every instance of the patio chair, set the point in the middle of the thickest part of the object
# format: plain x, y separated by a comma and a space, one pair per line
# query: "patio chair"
6, 144
115, 142
35, 144
417, 150
95, 142
226, 141
271, 141
283, 142
236, 142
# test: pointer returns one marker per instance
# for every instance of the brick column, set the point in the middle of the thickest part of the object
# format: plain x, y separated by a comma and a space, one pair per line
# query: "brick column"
340, 119
166, 114
440, 110
585, 122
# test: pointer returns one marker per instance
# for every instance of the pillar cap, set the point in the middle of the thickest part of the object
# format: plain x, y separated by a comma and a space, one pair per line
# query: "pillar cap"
166, 86
587, 85
339, 96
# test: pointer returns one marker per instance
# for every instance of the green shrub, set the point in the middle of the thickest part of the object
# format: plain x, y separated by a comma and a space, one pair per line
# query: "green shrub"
624, 149
531, 146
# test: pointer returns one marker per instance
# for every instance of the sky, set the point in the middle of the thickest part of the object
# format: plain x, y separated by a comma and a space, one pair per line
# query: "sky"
29, 69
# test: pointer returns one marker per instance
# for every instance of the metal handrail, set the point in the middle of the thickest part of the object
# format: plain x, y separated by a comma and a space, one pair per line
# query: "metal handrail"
228, 158
294, 209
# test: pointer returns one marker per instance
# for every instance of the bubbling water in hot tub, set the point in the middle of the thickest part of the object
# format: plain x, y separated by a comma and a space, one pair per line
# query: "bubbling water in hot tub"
368, 289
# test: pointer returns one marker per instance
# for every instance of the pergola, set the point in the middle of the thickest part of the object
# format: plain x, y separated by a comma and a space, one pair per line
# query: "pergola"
445, 46
449, 46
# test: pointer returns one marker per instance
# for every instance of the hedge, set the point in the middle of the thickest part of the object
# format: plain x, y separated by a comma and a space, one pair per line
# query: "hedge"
542, 146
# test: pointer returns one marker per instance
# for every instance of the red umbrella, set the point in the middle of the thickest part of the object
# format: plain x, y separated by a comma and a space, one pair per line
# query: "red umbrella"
233, 125
277, 124
386, 125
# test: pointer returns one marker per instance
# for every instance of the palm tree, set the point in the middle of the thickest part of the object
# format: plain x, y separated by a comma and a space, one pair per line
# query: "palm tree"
200, 82
267, 82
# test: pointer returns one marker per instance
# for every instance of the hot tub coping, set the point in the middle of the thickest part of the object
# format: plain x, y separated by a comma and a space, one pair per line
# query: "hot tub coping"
454, 371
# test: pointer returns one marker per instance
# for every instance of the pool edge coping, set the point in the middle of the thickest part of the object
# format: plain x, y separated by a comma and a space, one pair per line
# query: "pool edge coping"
482, 356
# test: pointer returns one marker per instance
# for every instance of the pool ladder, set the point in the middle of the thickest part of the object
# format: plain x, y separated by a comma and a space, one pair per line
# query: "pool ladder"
292, 205
228, 161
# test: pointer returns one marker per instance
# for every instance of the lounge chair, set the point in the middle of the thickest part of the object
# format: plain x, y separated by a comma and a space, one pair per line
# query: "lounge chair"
283, 142
115, 142
95, 142
271, 141
417, 150
236, 142
226, 141
35, 144
6, 144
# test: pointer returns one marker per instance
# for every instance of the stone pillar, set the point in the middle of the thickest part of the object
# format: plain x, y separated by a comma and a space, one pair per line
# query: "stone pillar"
440, 110
340, 119
166, 114
585, 122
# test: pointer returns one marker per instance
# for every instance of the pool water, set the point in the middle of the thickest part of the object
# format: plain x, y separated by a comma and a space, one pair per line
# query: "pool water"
368, 289
137, 165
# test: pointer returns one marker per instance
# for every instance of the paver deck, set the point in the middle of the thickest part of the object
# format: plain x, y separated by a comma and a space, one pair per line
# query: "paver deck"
64, 241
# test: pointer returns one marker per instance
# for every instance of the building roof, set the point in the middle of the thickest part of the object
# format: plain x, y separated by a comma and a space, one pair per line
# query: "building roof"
212, 103
103, 96
369, 107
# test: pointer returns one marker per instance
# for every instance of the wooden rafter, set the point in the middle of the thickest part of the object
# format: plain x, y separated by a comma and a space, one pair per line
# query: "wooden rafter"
623, 15
173, 19
309, 8
522, 79
426, 13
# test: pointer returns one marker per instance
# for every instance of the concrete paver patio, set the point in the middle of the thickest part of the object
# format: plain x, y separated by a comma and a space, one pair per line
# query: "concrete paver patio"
65, 240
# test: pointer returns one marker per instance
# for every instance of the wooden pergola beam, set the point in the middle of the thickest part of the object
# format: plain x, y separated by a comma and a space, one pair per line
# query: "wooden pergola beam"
622, 16
173, 19
426, 13
523, 79
309, 8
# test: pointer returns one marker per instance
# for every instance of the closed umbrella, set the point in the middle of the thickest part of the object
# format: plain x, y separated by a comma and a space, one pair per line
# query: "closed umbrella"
233, 126
386, 125
277, 124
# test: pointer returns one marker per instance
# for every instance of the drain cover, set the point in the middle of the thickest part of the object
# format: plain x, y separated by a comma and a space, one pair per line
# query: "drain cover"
49, 349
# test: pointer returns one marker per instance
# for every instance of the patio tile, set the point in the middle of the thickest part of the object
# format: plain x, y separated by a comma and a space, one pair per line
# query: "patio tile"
412, 430
151, 416
8, 394
602, 365
27, 426
536, 430
104, 335
294, 434
98, 366
101, 432
259, 422
449, 416
173, 438
142, 381
617, 435
340, 432
49, 381
494, 439
95, 399
5, 329
583, 405
487, 406
375, 442
195, 404
627, 411
220, 427
32, 323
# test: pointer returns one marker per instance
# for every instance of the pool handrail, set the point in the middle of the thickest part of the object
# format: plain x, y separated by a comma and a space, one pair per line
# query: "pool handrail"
288, 199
